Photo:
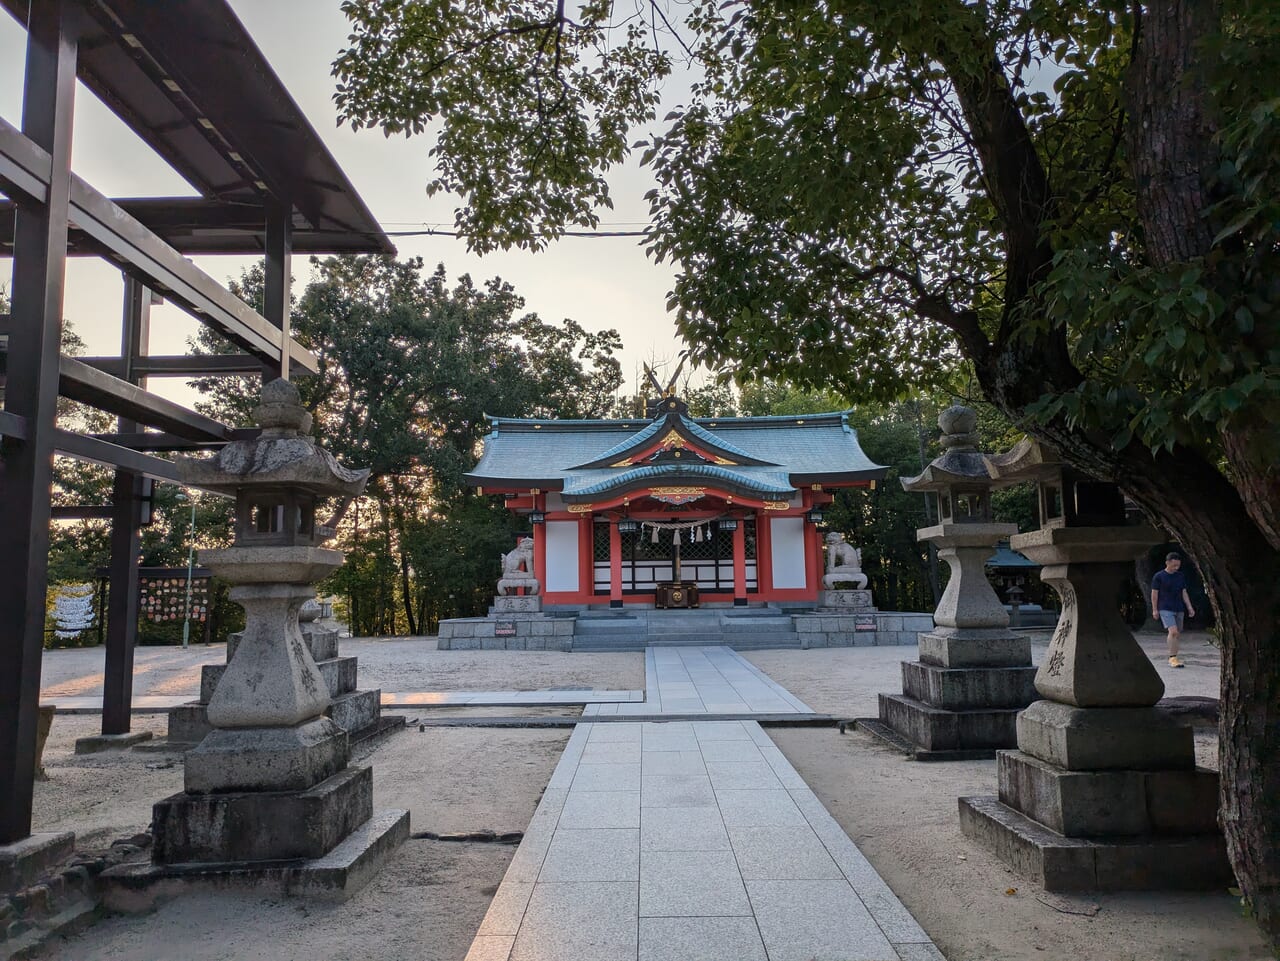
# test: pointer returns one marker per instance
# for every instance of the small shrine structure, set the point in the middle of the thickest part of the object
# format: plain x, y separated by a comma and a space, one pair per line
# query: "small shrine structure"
674, 511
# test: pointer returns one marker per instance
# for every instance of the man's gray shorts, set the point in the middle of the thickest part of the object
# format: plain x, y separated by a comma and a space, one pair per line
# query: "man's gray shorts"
1171, 619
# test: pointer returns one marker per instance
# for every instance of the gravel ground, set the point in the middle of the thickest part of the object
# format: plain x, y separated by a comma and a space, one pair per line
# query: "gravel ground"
398, 665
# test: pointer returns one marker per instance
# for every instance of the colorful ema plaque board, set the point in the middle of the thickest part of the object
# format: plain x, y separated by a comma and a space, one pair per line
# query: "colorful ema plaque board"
162, 594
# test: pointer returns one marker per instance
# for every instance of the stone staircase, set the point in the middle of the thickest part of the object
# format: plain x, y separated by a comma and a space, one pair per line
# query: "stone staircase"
359, 713
743, 629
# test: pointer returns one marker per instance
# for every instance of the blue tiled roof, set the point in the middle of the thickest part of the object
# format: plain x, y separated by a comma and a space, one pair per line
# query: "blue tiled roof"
1006, 556
651, 432
811, 446
756, 480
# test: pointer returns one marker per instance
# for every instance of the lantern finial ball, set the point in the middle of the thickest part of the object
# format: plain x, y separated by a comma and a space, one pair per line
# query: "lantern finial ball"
958, 425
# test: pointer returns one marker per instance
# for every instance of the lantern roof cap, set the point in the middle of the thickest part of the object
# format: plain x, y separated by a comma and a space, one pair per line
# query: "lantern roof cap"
1027, 460
284, 456
961, 464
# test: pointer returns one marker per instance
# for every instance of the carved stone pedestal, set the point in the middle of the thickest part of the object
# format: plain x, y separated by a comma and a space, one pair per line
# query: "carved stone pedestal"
1103, 792
517, 604
961, 698
846, 601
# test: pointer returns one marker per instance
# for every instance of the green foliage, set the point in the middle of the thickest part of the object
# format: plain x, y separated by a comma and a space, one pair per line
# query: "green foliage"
409, 369
827, 186
549, 103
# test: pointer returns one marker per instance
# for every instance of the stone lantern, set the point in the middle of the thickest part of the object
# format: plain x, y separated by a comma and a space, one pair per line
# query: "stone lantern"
270, 782
1102, 792
961, 698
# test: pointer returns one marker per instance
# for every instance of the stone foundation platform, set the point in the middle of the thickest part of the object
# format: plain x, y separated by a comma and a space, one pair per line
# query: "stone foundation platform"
638, 629
1195, 862
832, 628
520, 632
23, 862
336, 876
262, 825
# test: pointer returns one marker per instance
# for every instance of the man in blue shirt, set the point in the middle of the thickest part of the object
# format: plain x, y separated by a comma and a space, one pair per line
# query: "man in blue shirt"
1169, 599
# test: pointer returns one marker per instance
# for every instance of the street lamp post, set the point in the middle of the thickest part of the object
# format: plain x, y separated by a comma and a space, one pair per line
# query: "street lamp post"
191, 555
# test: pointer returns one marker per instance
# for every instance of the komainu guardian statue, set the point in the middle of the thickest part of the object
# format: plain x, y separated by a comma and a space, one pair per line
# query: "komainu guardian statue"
844, 564
517, 569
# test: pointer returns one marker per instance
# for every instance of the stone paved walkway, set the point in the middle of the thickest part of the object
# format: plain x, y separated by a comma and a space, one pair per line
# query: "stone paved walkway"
704, 680
689, 841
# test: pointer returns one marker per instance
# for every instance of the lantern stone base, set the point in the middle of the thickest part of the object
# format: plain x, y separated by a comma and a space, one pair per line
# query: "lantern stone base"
1105, 738
336, 876
517, 604
359, 713
929, 733
969, 688
961, 700
1065, 864
262, 825
975, 648
1109, 803
267, 758
1103, 799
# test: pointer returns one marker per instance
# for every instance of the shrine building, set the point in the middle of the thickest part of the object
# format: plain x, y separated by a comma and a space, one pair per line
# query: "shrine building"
675, 511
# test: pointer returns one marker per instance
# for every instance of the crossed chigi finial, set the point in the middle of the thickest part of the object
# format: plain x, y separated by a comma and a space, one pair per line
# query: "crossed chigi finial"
670, 389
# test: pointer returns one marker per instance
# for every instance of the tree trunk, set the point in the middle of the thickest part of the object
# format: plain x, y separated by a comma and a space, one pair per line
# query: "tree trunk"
1230, 529
1242, 573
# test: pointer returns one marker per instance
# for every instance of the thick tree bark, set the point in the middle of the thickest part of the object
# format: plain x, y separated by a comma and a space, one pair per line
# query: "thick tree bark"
1230, 530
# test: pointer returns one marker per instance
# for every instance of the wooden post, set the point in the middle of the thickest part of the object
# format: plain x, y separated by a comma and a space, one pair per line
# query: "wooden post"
126, 519
740, 563
615, 565
31, 392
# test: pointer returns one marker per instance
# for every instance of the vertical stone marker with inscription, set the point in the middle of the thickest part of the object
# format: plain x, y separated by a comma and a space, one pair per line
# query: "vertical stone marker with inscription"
269, 796
961, 698
1103, 792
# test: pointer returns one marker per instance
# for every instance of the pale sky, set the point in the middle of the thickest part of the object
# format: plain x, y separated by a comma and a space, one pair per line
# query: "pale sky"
599, 282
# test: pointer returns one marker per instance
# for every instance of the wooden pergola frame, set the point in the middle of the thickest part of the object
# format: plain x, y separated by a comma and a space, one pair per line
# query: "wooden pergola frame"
189, 80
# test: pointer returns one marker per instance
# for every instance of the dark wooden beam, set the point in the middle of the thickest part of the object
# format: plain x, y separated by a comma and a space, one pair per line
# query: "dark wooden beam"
144, 255
31, 392
79, 381
128, 492
13, 425
189, 365
82, 513
276, 287
96, 451
162, 442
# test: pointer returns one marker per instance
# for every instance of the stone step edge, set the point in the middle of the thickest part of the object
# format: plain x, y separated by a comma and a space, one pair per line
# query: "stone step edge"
877, 728
335, 877
1064, 864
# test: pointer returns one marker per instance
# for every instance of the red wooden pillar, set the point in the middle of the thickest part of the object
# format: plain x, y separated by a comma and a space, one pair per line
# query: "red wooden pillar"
740, 564
586, 557
540, 547
764, 555
812, 558
615, 565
